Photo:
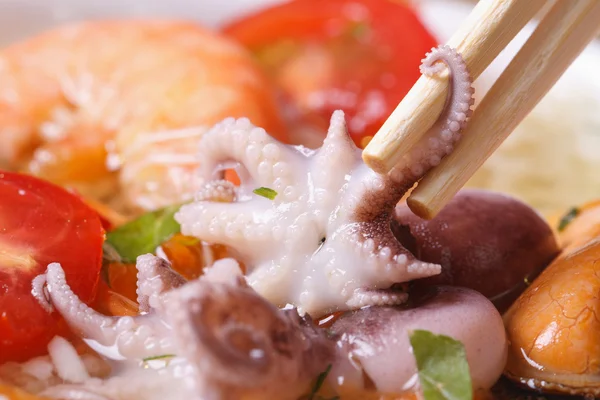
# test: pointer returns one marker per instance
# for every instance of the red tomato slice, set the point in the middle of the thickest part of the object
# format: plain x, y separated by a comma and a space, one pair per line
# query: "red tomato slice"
41, 223
361, 56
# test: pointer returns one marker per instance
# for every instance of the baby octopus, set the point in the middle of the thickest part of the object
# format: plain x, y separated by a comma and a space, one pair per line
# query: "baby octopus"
324, 242
226, 341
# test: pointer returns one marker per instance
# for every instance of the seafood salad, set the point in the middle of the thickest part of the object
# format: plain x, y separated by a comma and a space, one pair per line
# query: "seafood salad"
185, 214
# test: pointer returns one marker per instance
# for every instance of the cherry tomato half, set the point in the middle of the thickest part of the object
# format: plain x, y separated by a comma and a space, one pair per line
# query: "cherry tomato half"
41, 223
361, 56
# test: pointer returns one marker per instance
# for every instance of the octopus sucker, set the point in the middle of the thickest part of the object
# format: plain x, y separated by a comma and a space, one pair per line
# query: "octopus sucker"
219, 190
232, 141
439, 139
332, 246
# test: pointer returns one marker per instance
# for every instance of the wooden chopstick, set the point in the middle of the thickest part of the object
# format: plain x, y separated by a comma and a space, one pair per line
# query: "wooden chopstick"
489, 28
559, 38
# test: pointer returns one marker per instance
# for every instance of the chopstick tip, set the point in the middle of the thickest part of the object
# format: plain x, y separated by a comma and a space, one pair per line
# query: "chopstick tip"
420, 209
374, 161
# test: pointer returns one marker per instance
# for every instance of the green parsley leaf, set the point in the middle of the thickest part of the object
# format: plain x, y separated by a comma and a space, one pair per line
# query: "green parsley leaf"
568, 218
313, 395
265, 192
144, 234
161, 357
442, 365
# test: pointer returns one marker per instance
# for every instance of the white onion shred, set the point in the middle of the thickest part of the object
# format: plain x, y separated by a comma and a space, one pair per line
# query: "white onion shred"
40, 368
67, 362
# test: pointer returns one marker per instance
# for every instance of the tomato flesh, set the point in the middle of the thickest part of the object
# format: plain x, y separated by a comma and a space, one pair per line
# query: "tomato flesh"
41, 223
361, 56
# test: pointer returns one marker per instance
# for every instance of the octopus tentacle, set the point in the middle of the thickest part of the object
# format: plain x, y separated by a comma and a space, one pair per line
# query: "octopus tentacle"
440, 138
154, 277
77, 313
392, 262
137, 336
376, 241
239, 141
397, 264
337, 149
382, 297
228, 227
461, 97
39, 292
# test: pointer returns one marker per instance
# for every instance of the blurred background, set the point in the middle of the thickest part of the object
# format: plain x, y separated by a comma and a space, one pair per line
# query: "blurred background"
551, 161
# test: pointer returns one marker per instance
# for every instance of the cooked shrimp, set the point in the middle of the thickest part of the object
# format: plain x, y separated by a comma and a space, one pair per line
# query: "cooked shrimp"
99, 105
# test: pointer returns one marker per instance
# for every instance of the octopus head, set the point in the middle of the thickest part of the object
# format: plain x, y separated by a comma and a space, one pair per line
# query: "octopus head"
233, 337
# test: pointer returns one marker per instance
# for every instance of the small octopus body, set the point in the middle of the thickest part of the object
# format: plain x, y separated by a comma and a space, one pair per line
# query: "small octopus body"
324, 242
226, 342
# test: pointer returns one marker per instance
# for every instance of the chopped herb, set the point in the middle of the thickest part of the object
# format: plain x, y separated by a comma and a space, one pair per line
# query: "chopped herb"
442, 365
265, 192
320, 380
313, 395
162, 357
144, 234
568, 218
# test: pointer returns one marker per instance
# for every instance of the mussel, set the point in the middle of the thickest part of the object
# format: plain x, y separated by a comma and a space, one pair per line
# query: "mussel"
554, 326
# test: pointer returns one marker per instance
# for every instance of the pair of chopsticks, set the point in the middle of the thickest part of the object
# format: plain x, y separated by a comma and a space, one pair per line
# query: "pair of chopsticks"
559, 38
